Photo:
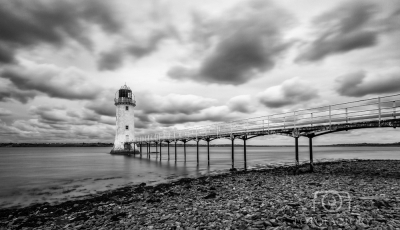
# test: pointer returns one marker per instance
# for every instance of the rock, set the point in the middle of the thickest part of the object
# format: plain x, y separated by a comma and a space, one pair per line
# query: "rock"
273, 222
118, 216
212, 195
293, 204
260, 223
381, 203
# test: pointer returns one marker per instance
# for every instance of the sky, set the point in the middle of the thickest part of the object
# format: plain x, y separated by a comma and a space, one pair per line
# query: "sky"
190, 63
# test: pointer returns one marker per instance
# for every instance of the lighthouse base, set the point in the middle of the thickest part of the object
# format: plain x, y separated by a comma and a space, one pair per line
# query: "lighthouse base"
125, 149
124, 152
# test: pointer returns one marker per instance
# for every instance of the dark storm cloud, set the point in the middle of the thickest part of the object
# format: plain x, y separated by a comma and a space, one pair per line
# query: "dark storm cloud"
292, 91
28, 23
357, 84
6, 54
249, 38
48, 79
142, 120
110, 60
113, 59
348, 27
103, 105
9, 92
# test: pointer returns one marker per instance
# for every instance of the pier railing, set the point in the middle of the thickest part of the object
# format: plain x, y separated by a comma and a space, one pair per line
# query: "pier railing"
374, 109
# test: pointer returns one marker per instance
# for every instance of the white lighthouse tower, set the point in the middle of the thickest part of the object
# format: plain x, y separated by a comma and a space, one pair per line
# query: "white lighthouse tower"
125, 134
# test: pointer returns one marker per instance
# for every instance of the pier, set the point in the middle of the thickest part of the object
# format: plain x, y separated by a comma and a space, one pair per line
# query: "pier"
379, 112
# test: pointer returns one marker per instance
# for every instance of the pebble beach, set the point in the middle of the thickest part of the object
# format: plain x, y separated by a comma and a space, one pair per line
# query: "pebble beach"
355, 194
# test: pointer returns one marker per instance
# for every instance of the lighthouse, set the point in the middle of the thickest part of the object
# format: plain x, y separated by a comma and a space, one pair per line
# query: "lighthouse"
125, 134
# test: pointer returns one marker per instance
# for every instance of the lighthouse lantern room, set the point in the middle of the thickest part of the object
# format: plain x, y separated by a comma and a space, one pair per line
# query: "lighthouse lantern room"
125, 134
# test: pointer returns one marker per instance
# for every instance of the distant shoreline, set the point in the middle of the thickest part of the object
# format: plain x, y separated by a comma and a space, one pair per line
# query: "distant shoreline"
4, 145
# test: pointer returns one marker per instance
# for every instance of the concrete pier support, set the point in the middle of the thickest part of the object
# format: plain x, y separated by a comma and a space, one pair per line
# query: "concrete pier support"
311, 154
297, 150
134, 148
233, 153
156, 148
140, 146
184, 149
160, 149
244, 153
197, 148
168, 149
175, 151
208, 153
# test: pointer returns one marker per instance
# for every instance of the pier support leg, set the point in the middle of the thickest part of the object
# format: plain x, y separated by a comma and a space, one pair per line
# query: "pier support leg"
233, 153
134, 148
297, 150
160, 149
147, 146
208, 153
184, 149
175, 151
168, 150
244, 154
140, 146
149, 149
197, 148
311, 154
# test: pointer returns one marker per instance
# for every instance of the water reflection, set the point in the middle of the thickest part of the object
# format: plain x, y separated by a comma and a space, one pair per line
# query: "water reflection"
51, 174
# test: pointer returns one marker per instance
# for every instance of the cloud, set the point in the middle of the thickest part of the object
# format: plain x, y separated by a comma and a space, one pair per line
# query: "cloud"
10, 92
103, 105
348, 27
28, 23
48, 79
59, 124
241, 103
33, 130
147, 30
110, 60
290, 92
241, 44
113, 59
63, 118
5, 112
214, 113
357, 84
172, 103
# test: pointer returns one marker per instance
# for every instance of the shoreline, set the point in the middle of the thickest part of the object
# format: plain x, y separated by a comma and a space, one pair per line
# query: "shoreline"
57, 194
130, 205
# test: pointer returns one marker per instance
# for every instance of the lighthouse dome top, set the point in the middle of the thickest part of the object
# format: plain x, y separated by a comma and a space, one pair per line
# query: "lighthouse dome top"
125, 87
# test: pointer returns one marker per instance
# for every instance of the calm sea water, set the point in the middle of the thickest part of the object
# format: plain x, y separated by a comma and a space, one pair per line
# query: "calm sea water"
36, 175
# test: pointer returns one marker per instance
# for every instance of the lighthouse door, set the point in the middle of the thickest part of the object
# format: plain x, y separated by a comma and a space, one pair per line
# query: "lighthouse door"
127, 138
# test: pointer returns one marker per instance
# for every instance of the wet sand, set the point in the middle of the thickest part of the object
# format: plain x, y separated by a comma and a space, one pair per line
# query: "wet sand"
338, 195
